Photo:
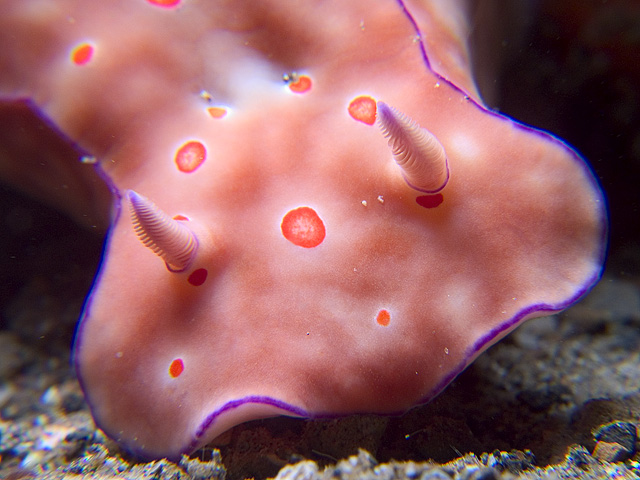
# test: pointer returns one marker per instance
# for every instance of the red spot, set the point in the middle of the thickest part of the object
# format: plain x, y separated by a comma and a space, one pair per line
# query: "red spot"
303, 227
217, 112
82, 54
190, 156
301, 84
363, 109
176, 368
430, 201
383, 318
181, 218
198, 277
164, 3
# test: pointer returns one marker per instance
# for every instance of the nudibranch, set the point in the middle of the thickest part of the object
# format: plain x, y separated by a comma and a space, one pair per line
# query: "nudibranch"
314, 214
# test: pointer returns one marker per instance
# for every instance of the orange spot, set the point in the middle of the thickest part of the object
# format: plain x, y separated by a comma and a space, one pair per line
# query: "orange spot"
301, 84
430, 201
363, 109
190, 156
198, 277
217, 112
303, 227
176, 368
164, 3
383, 318
82, 54
181, 218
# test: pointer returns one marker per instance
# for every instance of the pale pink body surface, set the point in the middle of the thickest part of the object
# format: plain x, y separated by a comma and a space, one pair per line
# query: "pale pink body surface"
275, 327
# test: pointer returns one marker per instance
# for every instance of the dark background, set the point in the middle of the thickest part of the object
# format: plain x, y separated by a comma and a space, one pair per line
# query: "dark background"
576, 74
